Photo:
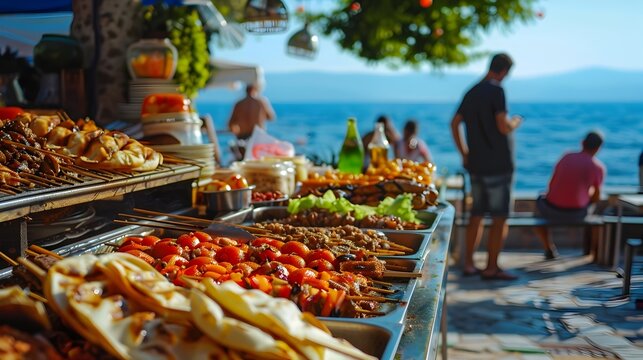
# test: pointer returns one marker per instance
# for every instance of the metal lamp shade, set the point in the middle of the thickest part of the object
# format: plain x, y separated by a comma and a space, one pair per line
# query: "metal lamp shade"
303, 44
265, 16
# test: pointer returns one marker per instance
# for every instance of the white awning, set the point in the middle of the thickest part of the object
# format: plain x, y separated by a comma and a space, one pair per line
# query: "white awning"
228, 74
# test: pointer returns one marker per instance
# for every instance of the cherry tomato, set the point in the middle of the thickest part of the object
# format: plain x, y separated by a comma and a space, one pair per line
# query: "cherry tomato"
202, 236
208, 245
132, 240
170, 271
141, 255
268, 254
282, 291
188, 240
299, 275
216, 268
10, 112
133, 246
320, 254
272, 242
202, 251
317, 284
292, 259
237, 182
201, 260
150, 240
295, 247
231, 254
290, 268
172, 260
166, 247
192, 271
321, 265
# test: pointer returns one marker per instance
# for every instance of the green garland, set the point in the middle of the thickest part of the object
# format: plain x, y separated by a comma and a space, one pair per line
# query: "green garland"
183, 27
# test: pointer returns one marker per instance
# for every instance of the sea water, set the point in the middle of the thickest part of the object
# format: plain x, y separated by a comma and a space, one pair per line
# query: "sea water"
548, 131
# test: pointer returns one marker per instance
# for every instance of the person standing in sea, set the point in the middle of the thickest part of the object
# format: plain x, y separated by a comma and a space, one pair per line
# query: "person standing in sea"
252, 110
488, 156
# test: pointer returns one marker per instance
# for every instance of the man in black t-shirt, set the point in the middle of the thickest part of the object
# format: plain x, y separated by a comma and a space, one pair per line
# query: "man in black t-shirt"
487, 155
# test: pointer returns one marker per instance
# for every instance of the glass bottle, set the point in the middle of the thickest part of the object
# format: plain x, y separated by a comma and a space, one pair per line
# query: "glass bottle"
378, 147
351, 157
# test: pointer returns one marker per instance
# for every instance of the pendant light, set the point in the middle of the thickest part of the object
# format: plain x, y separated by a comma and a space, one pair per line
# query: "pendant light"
303, 43
265, 16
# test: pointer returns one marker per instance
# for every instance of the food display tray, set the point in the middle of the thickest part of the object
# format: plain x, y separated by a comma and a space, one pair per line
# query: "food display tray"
429, 217
378, 336
32, 201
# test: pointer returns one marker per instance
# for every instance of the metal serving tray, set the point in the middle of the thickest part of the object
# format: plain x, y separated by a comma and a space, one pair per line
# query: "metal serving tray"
376, 340
428, 217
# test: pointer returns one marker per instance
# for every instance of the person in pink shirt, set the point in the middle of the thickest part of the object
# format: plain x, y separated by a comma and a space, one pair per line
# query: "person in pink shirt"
574, 188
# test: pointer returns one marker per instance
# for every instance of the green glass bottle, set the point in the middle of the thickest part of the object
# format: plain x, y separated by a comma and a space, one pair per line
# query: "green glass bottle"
351, 157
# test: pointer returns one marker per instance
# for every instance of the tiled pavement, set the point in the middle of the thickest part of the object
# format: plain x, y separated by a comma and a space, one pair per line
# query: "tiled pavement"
562, 309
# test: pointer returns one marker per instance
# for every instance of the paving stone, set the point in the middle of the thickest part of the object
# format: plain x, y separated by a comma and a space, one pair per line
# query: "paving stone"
534, 308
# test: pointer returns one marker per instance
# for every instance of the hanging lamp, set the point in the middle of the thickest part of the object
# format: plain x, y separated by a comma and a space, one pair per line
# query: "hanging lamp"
303, 43
265, 16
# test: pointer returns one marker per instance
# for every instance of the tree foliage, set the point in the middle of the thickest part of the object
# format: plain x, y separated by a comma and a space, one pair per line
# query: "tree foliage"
402, 32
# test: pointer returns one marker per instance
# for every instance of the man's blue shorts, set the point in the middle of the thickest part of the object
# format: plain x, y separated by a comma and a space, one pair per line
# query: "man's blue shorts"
491, 194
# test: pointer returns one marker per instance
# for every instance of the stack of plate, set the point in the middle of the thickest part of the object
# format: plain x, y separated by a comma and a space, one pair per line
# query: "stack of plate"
128, 112
203, 154
140, 88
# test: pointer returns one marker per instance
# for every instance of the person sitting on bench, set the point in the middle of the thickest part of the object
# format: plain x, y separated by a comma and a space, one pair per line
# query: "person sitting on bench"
573, 190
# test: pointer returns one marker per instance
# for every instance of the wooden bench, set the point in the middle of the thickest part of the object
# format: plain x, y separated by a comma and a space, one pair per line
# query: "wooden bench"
594, 222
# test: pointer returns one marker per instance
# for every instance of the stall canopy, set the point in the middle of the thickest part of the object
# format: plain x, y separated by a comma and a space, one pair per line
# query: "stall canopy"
228, 74
23, 24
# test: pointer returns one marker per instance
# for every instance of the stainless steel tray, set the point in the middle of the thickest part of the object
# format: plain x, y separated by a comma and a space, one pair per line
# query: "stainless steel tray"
378, 336
32, 201
376, 340
428, 217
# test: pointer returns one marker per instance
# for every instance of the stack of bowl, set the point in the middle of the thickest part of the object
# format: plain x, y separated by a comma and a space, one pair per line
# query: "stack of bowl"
203, 154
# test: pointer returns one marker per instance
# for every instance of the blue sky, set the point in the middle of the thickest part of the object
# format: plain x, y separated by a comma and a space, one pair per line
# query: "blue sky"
573, 34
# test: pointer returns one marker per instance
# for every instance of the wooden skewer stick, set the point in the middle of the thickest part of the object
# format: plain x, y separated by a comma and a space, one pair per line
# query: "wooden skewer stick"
9, 260
380, 282
203, 221
183, 217
81, 171
33, 268
8, 192
168, 222
44, 251
59, 179
37, 297
380, 290
13, 188
400, 247
369, 312
373, 298
31, 253
112, 245
395, 267
29, 147
401, 274
139, 223
39, 180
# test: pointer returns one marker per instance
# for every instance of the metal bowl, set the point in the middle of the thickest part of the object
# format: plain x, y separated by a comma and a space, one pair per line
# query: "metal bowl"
227, 200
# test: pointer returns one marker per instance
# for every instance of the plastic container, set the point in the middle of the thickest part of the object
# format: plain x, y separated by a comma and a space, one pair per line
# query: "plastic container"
152, 58
157, 104
268, 175
301, 165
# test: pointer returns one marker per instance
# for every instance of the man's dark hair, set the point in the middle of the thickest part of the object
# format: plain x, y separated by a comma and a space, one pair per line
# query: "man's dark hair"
382, 119
250, 88
500, 62
593, 140
411, 126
